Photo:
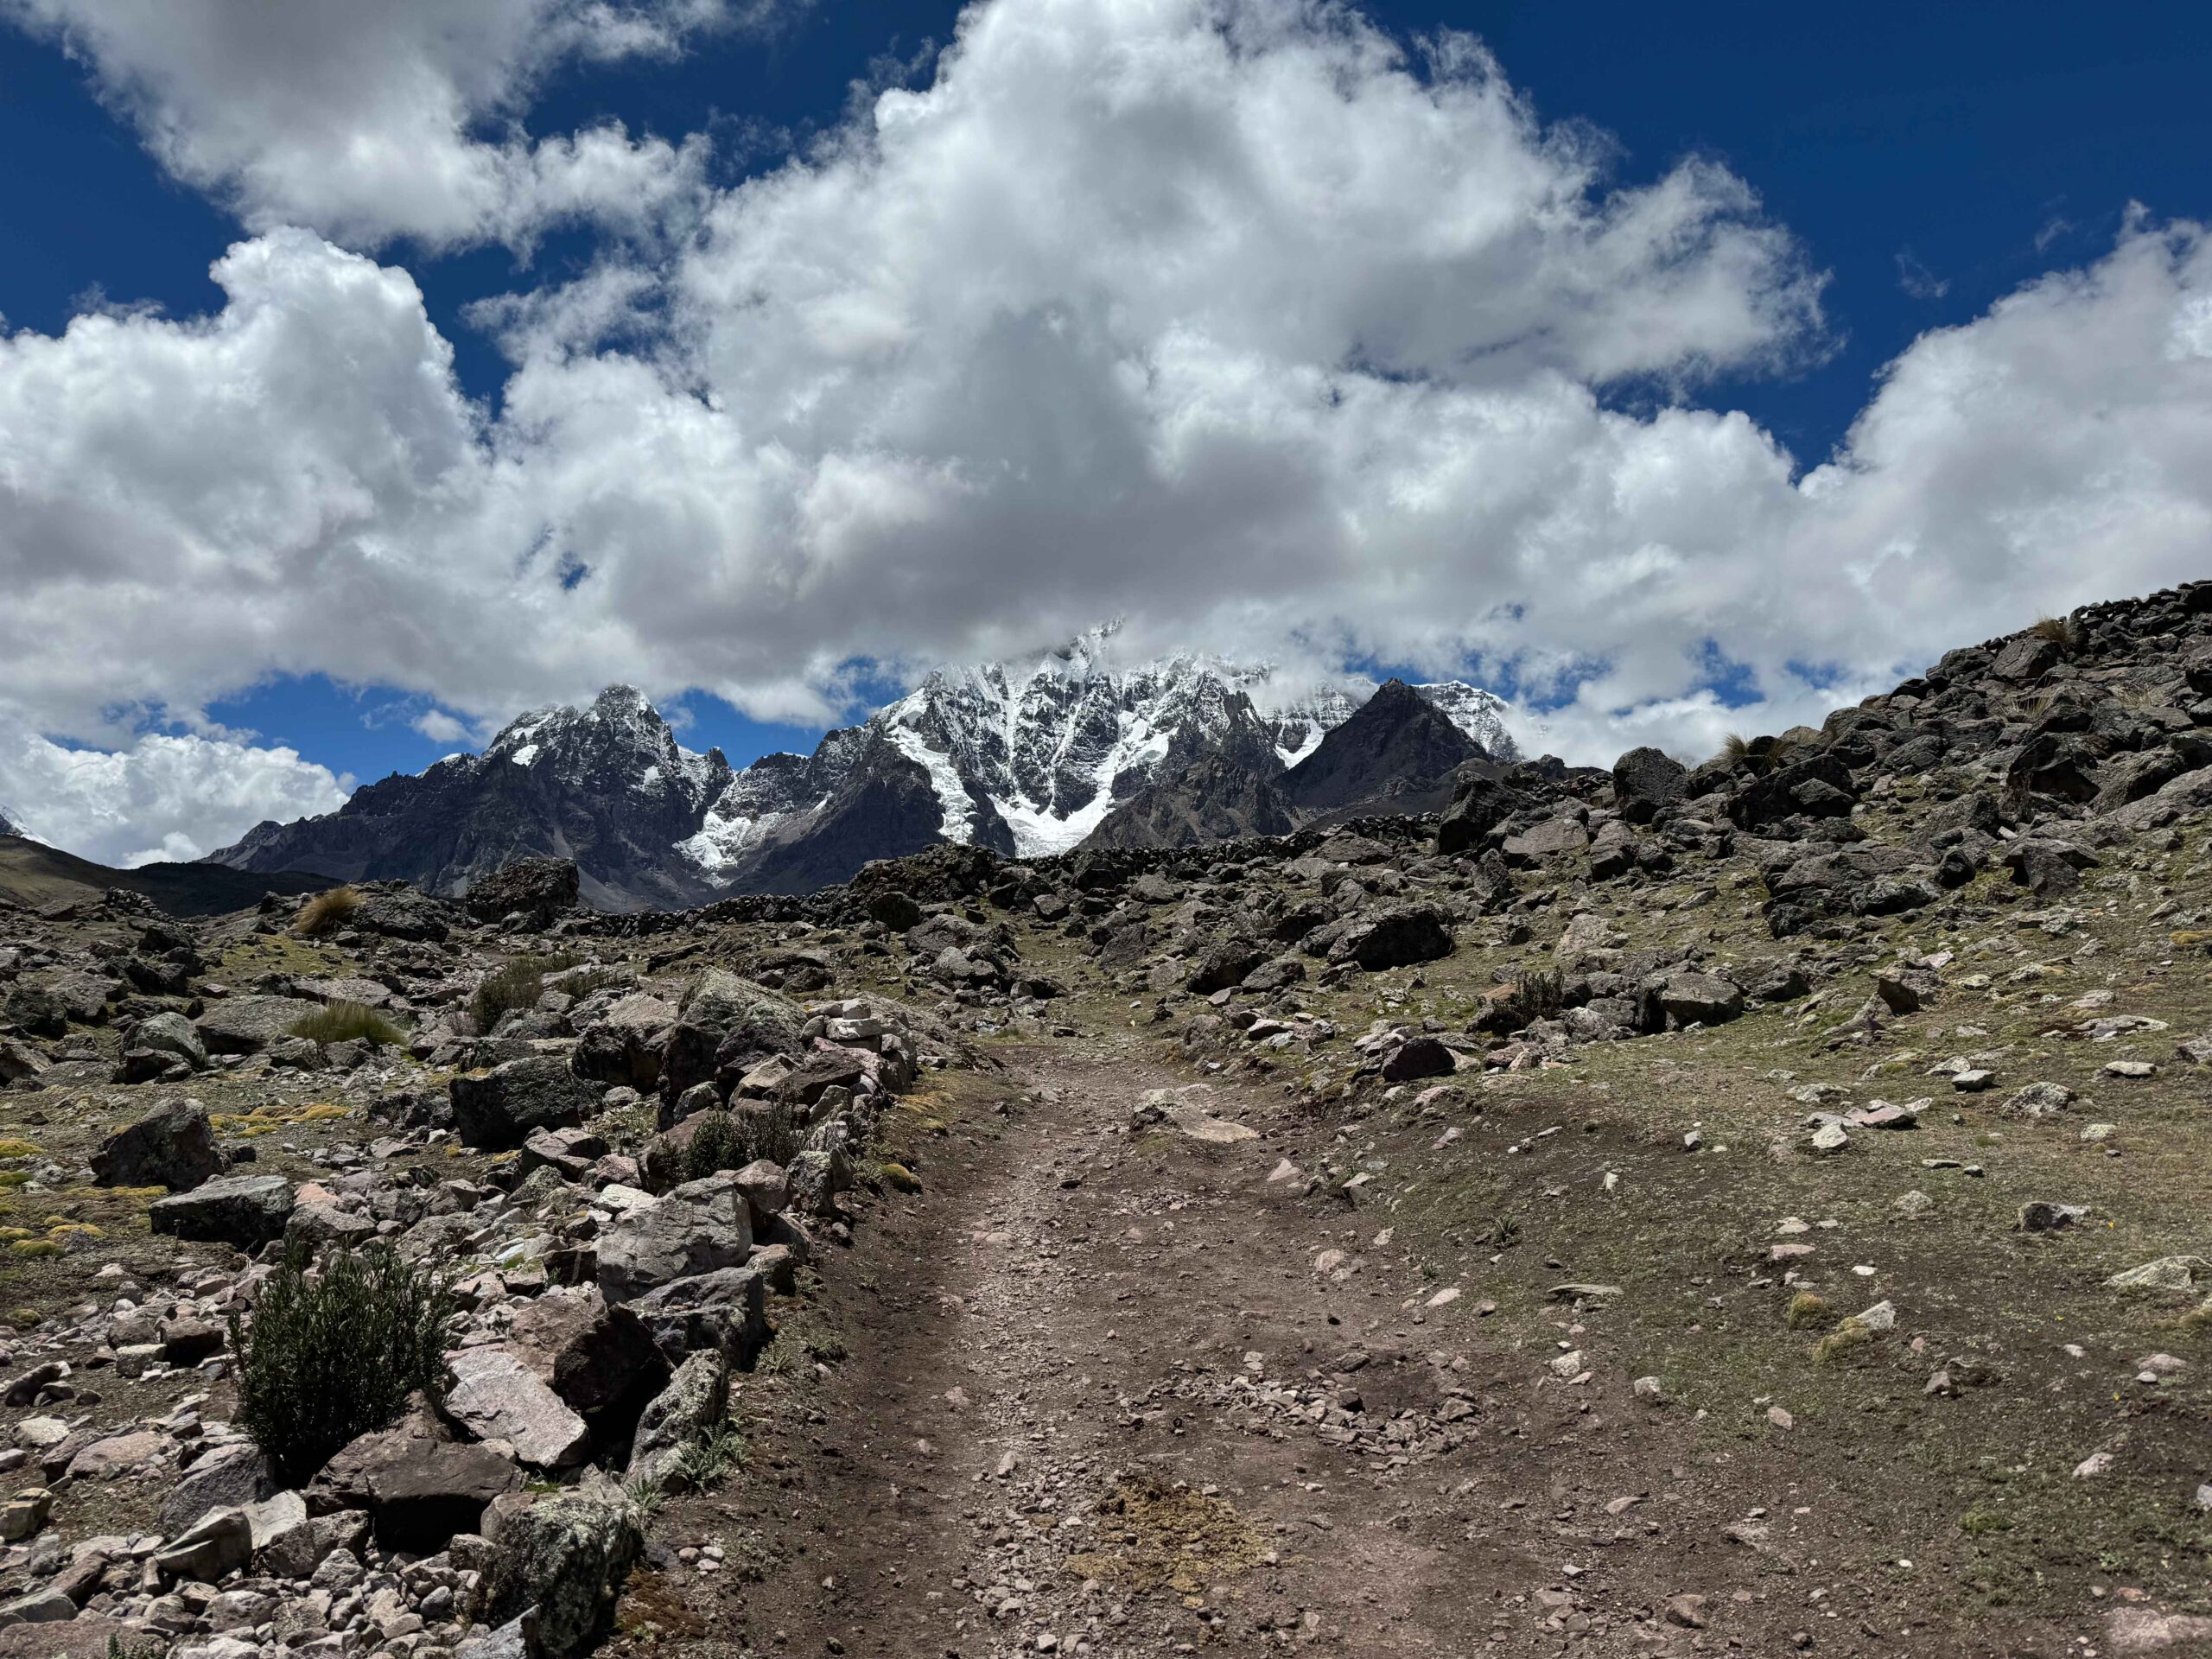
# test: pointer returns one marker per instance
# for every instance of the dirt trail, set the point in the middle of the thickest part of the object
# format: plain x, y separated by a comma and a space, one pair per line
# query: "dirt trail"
1095, 1396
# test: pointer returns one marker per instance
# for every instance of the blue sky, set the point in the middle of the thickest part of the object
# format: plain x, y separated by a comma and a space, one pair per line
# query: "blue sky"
1921, 162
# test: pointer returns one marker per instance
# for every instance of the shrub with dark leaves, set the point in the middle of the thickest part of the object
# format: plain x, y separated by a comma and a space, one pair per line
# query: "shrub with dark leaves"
732, 1139
333, 1353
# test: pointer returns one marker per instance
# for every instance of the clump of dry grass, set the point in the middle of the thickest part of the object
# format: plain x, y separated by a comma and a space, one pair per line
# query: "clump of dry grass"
2062, 631
327, 913
341, 1022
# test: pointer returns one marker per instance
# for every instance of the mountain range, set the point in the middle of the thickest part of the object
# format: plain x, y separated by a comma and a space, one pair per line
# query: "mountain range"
1028, 758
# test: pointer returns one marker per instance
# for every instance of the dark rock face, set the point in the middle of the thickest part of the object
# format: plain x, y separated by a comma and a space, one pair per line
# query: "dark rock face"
1397, 753
1646, 782
173, 1146
606, 786
539, 889
882, 807
1209, 788
243, 1210
419, 1484
503, 1108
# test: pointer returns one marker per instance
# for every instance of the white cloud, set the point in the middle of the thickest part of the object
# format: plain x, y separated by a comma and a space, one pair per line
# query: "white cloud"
398, 117
1216, 314
174, 797
440, 726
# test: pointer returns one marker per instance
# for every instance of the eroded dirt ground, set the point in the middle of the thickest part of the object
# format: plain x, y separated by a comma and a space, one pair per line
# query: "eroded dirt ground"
1101, 1390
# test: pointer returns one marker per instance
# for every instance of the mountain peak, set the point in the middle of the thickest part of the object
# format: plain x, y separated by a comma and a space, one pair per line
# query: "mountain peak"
1029, 757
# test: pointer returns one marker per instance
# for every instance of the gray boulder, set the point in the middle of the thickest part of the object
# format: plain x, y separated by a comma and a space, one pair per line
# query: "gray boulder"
567, 1555
229, 1479
1394, 939
723, 1312
244, 1210
692, 1403
1645, 782
173, 1146
246, 1025
502, 1108
690, 1232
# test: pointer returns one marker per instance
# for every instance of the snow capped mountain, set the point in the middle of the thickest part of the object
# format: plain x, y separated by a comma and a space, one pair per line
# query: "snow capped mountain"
1028, 758
606, 786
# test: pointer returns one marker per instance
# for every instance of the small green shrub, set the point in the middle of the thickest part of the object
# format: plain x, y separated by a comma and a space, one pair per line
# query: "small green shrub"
327, 913
1538, 995
701, 1464
512, 987
330, 1355
732, 1139
341, 1022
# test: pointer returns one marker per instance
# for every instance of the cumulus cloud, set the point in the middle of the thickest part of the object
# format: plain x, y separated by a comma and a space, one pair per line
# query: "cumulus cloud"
1228, 317
175, 798
400, 118
440, 726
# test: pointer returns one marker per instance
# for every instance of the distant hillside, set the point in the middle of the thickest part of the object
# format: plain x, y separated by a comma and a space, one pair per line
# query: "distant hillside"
33, 874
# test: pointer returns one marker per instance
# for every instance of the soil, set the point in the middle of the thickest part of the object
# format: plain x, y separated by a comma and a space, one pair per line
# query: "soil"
1062, 1401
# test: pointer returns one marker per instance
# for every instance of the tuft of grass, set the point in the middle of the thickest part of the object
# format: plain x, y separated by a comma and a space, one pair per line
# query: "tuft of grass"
512, 987
341, 1022
332, 1355
327, 913
1808, 1313
2062, 631
1734, 747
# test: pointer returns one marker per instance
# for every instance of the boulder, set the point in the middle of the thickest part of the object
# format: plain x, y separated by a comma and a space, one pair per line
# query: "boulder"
500, 1109
625, 1045
216, 1544
169, 1033
573, 1341
678, 1237
403, 913
418, 1483
1223, 966
173, 1146
894, 911
246, 1025
1646, 781
1553, 836
1689, 997
1394, 939
566, 1553
538, 888
723, 1312
72, 1636
230, 1478
693, 1402
244, 1210
1418, 1057
498, 1395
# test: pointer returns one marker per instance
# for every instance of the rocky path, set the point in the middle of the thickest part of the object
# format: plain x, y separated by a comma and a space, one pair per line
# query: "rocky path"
1105, 1390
